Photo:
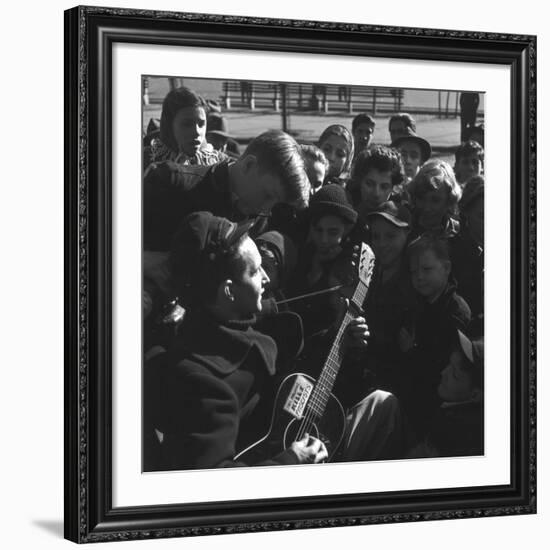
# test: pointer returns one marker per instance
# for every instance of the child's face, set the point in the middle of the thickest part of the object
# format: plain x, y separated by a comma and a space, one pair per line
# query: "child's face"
327, 234
375, 188
411, 154
189, 129
388, 241
432, 207
456, 381
336, 151
466, 167
363, 136
429, 274
316, 174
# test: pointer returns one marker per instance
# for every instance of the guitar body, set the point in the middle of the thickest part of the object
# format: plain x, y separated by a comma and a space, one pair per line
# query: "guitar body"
291, 419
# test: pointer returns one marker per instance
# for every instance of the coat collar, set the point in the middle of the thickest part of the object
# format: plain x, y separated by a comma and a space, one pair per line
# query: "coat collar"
224, 348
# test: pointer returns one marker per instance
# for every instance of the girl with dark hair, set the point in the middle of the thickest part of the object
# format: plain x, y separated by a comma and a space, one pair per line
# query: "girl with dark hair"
182, 132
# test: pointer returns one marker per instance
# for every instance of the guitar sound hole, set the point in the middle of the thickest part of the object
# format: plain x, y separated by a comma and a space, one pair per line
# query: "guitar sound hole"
294, 432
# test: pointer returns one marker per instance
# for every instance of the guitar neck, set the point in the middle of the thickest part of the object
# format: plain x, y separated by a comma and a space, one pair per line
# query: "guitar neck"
325, 382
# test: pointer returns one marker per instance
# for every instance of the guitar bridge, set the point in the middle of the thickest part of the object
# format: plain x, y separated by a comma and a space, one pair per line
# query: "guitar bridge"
298, 397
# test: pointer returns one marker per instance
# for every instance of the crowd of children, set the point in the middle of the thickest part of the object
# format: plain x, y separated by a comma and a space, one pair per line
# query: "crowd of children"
309, 206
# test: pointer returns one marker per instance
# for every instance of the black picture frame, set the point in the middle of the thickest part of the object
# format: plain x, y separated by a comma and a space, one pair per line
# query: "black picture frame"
90, 33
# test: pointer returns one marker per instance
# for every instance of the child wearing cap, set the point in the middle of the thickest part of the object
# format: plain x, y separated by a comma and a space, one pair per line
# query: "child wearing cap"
391, 302
279, 258
434, 195
414, 150
427, 340
324, 261
336, 142
457, 426
468, 161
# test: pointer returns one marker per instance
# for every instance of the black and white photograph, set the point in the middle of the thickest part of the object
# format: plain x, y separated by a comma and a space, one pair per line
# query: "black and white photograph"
312, 273
291, 300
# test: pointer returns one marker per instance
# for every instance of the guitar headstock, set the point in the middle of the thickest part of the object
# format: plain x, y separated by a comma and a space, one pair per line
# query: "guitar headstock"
366, 264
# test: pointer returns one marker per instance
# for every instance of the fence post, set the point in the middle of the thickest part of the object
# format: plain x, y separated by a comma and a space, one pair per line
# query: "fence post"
252, 102
276, 97
145, 90
227, 95
400, 100
325, 102
285, 107
350, 104
374, 101
300, 97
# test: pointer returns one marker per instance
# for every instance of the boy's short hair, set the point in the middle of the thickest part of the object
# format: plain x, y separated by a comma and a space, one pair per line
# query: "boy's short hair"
430, 242
175, 100
278, 153
407, 120
362, 118
381, 158
468, 149
312, 153
433, 175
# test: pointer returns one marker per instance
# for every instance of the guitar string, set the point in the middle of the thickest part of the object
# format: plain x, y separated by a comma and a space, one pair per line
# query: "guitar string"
358, 298
322, 400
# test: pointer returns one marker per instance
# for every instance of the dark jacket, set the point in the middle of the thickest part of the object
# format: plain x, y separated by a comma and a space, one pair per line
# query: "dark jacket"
172, 191
390, 306
457, 429
435, 331
210, 396
467, 261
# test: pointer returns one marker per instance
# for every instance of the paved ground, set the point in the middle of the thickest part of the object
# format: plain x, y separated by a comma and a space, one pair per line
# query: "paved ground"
443, 134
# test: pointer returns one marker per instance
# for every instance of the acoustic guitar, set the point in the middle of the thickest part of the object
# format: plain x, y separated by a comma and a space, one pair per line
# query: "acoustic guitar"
305, 405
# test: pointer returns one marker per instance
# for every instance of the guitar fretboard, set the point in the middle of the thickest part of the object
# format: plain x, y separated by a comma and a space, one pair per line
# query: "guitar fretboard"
320, 395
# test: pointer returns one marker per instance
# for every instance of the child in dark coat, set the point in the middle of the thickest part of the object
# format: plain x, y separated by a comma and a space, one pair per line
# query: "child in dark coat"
429, 339
457, 427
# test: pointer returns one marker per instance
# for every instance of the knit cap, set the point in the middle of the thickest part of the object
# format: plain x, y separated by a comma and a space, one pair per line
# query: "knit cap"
331, 200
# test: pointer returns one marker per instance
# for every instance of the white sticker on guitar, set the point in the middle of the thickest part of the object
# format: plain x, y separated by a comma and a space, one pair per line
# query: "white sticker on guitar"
298, 397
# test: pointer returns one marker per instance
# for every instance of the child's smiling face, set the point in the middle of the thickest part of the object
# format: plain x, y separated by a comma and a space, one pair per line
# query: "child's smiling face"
429, 274
327, 234
335, 149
